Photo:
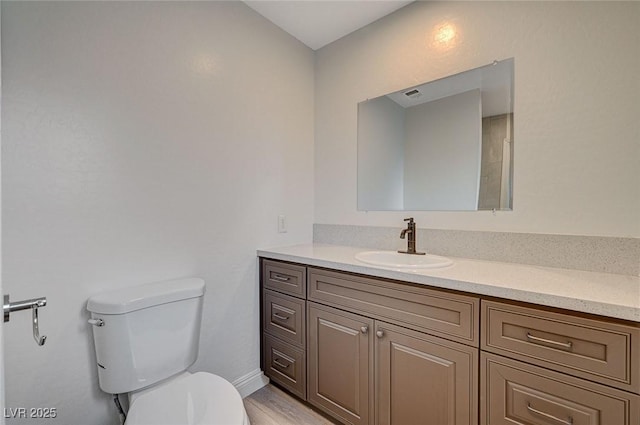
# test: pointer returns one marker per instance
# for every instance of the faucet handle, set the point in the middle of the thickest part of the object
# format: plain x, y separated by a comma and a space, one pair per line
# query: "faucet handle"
410, 220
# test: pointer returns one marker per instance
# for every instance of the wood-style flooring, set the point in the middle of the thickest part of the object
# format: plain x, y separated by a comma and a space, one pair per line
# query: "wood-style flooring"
272, 406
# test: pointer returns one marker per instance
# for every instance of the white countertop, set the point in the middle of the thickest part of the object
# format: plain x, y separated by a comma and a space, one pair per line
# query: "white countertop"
604, 294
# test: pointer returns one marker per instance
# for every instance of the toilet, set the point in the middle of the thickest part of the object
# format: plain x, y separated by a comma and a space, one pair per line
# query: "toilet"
146, 337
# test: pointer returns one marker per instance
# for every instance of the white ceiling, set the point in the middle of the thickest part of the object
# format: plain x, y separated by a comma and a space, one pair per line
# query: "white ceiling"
319, 22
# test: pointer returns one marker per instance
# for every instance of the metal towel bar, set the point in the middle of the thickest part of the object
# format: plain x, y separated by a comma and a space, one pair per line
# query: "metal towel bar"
34, 303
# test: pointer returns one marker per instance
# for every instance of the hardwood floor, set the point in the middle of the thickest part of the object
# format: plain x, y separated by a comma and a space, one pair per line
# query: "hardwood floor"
272, 406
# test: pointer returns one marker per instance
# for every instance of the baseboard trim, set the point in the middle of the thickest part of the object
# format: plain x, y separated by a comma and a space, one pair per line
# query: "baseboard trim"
250, 383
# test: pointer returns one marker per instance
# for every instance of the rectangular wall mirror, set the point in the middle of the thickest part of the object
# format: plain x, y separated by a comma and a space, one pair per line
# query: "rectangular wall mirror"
446, 145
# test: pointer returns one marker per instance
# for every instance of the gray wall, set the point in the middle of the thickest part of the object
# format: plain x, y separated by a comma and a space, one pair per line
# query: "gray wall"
144, 141
576, 151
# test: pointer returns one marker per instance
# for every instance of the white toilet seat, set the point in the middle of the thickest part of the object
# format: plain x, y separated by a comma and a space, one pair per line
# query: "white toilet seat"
190, 399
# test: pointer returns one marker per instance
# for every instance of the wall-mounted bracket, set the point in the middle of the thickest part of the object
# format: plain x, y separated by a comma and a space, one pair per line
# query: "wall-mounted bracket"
8, 307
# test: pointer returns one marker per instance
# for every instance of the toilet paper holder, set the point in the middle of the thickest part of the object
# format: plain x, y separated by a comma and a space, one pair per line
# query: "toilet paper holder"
34, 303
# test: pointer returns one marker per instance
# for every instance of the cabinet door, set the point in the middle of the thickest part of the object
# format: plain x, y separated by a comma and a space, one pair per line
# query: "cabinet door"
516, 393
284, 277
285, 364
422, 379
284, 317
340, 364
591, 349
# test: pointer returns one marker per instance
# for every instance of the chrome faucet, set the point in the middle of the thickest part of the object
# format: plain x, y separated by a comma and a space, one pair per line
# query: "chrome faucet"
411, 239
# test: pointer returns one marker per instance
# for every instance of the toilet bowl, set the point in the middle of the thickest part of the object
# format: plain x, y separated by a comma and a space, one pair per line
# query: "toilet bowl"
145, 338
195, 399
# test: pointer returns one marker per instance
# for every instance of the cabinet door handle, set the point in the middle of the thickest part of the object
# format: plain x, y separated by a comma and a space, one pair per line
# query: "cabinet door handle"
379, 334
282, 365
567, 344
364, 329
549, 416
280, 278
280, 316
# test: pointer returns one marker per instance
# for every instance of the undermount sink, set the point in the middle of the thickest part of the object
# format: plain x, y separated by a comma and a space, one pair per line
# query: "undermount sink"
397, 260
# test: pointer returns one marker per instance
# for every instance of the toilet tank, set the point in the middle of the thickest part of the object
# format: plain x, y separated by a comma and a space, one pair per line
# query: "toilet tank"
150, 332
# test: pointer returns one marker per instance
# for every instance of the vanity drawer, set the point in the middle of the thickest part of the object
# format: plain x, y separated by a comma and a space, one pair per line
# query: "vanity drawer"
284, 277
286, 365
601, 351
284, 317
516, 393
440, 313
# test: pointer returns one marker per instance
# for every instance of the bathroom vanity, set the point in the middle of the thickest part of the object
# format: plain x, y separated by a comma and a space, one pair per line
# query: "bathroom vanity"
475, 342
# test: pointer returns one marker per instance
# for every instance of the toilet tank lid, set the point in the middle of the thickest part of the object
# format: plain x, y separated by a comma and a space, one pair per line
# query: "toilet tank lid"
125, 300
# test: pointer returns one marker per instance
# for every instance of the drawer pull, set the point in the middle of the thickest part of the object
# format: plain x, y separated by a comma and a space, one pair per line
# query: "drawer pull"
548, 416
282, 365
379, 334
364, 330
280, 278
567, 344
280, 316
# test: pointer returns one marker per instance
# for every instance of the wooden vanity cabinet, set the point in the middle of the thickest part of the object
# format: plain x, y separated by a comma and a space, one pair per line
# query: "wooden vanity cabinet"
422, 379
442, 313
285, 364
365, 371
284, 277
367, 350
517, 393
340, 364
284, 356
542, 367
376, 355
596, 350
